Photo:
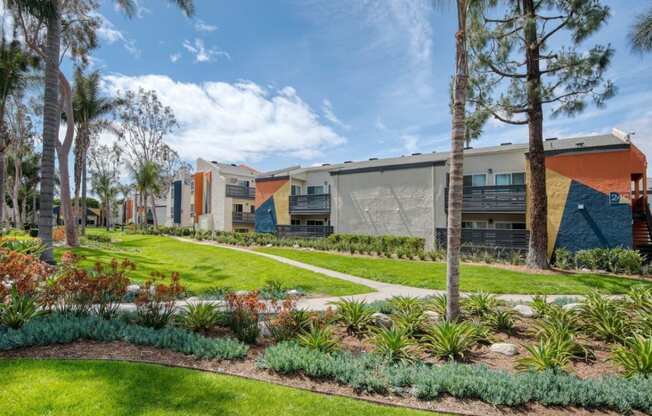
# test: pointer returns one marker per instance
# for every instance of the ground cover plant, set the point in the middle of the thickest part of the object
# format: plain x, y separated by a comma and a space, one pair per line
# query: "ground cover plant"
432, 275
206, 268
95, 388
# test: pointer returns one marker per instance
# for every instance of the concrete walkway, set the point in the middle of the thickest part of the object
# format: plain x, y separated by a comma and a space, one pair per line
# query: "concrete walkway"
382, 291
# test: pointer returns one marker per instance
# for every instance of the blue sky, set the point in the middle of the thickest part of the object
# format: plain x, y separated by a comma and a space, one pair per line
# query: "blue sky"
279, 82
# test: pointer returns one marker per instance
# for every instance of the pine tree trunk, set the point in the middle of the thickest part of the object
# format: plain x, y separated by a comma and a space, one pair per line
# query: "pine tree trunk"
83, 192
51, 117
456, 173
537, 200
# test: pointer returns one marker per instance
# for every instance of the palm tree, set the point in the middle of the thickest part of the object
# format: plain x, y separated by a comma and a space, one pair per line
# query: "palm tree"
104, 187
15, 65
147, 179
640, 35
89, 109
50, 11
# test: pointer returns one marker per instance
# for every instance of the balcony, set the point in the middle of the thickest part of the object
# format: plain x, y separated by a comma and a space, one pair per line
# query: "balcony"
240, 191
310, 204
244, 217
488, 238
285, 231
492, 199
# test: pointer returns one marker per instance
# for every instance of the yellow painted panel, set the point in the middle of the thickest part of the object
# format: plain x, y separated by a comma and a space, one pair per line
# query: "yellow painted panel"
557, 187
282, 204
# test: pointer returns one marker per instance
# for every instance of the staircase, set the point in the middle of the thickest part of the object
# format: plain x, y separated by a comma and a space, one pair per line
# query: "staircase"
642, 231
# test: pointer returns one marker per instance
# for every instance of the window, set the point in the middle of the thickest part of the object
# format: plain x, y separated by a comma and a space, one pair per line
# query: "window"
315, 190
237, 208
475, 180
315, 222
296, 190
252, 209
295, 221
510, 178
475, 224
510, 225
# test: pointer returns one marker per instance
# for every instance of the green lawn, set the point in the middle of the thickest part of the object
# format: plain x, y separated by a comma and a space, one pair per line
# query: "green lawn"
205, 267
96, 388
473, 277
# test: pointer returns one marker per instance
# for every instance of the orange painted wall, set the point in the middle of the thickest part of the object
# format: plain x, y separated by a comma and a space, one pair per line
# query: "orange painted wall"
266, 189
603, 171
199, 193
130, 210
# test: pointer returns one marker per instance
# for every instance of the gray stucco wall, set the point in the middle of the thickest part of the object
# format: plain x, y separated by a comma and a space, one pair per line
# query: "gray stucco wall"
393, 202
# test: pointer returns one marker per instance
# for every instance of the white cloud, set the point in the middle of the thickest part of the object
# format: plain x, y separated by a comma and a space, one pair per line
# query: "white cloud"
327, 109
236, 122
410, 143
201, 54
201, 26
108, 32
174, 57
140, 10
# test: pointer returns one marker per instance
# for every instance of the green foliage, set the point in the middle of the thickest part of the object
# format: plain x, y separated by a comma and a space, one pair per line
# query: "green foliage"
640, 35
200, 316
438, 303
394, 344
19, 310
613, 260
355, 314
99, 238
605, 319
501, 320
640, 298
552, 354
370, 373
407, 314
319, 338
64, 329
479, 303
449, 340
564, 259
28, 246
540, 305
635, 356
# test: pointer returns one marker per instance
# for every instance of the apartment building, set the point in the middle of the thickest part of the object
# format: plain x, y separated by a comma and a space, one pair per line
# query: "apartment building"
595, 189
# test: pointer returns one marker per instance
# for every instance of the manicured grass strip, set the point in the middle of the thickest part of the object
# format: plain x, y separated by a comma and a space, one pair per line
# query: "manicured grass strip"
203, 267
92, 388
432, 275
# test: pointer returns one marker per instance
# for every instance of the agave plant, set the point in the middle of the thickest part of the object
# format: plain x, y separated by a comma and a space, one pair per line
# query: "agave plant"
501, 320
540, 305
356, 315
450, 340
19, 310
200, 317
406, 303
640, 298
480, 303
438, 304
551, 354
319, 338
411, 320
395, 345
635, 356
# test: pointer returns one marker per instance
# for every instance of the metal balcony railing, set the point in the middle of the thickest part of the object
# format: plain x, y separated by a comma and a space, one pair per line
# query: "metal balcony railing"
498, 198
240, 191
310, 204
304, 230
488, 238
244, 217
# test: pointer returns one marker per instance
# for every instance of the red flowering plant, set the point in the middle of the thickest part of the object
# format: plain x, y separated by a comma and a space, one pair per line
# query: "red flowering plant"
23, 272
244, 310
110, 285
155, 301
283, 320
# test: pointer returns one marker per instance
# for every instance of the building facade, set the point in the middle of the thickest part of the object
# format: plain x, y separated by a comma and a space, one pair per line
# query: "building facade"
595, 188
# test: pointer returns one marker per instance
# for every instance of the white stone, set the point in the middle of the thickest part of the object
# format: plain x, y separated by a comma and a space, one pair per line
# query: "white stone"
524, 311
380, 319
295, 246
242, 292
294, 293
264, 329
432, 316
269, 245
133, 289
504, 348
571, 306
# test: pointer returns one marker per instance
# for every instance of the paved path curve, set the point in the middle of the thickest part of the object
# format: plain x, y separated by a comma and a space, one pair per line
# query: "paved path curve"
382, 291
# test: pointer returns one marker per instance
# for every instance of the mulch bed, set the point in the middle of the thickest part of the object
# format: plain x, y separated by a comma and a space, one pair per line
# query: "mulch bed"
246, 368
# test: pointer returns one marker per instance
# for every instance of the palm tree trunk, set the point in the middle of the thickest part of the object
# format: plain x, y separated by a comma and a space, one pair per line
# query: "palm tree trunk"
69, 216
537, 201
107, 206
51, 117
2, 182
83, 192
17, 176
456, 173
154, 211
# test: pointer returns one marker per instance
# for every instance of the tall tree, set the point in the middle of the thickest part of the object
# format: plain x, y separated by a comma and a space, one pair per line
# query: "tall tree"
640, 35
516, 73
90, 109
15, 66
105, 162
147, 178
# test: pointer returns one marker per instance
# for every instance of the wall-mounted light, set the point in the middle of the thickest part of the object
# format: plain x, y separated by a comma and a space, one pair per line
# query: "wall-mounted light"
580, 207
490, 171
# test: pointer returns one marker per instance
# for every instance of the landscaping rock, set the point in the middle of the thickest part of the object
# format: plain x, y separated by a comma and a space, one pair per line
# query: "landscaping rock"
432, 316
524, 310
295, 246
242, 293
264, 329
133, 289
382, 320
294, 293
269, 245
504, 348
571, 306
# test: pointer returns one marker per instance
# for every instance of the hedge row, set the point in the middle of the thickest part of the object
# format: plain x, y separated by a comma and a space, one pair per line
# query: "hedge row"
366, 372
64, 329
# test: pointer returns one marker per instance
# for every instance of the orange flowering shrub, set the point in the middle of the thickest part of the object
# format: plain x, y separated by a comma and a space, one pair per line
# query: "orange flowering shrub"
244, 312
58, 234
24, 272
155, 301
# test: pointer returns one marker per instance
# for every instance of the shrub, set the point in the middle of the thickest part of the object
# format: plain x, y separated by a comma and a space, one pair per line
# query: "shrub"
586, 259
200, 316
24, 272
640, 298
244, 311
100, 238
394, 344
551, 354
635, 356
285, 322
449, 340
18, 310
30, 246
628, 261
479, 303
319, 339
411, 320
58, 234
273, 289
501, 320
438, 303
564, 259
540, 305
355, 314
64, 329
604, 318
155, 301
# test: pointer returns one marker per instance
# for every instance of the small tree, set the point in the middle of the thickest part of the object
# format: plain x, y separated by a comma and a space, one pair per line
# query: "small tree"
516, 73
105, 162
